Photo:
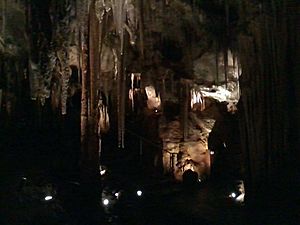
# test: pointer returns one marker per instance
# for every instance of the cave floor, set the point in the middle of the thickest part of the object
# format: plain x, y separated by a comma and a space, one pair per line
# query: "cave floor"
27, 154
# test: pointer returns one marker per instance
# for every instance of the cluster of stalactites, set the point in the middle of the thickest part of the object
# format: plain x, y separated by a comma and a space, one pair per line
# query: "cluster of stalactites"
124, 16
57, 58
197, 98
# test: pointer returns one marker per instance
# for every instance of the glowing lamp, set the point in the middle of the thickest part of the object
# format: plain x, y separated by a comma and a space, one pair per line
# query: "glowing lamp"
232, 195
240, 198
139, 193
48, 197
105, 202
102, 172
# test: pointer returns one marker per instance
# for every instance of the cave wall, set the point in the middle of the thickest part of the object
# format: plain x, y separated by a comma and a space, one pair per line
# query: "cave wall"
269, 96
104, 48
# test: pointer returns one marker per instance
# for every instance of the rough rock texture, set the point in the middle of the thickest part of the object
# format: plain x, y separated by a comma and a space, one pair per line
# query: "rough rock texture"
53, 50
92, 47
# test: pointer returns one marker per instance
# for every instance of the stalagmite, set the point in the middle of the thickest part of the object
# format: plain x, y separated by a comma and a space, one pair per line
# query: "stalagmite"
103, 124
132, 92
154, 101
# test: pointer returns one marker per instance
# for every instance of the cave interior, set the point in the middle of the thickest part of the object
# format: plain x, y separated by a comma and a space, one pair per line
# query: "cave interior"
183, 90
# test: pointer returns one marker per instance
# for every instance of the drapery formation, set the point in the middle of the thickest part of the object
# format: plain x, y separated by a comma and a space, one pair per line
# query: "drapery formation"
268, 99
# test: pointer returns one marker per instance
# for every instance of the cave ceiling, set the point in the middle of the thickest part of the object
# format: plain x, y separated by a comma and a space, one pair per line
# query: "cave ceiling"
177, 35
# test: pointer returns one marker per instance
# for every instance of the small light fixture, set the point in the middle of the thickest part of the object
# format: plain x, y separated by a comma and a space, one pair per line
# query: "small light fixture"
139, 193
117, 194
48, 198
232, 195
212, 152
105, 202
240, 198
102, 172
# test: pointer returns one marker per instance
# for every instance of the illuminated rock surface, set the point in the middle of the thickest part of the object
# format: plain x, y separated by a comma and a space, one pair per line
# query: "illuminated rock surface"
214, 90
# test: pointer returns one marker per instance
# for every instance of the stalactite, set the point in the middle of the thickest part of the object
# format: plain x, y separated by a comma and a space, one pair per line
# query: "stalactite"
225, 55
121, 104
132, 21
116, 61
226, 42
132, 92
119, 16
4, 6
99, 149
93, 56
163, 93
185, 108
227, 17
234, 58
84, 84
102, 25
29, 31
65, 76
197, 98
1, 91
64, 94
141, 27
123, 95
119, 8
33, 80
118, 78
217, 65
